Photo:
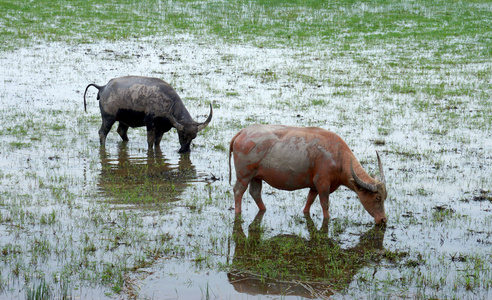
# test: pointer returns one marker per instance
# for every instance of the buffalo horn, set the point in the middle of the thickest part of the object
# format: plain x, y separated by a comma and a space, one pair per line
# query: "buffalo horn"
370, 187
174, 122
381, 172
202, 126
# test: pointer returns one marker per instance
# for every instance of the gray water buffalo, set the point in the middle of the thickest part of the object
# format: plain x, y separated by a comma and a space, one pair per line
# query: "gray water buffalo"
136, 101
291, 158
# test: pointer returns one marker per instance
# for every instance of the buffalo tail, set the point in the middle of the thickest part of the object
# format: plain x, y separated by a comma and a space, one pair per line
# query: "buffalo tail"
94, 85
230, 151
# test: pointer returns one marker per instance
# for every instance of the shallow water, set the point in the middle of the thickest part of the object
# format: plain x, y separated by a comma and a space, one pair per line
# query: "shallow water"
72, 212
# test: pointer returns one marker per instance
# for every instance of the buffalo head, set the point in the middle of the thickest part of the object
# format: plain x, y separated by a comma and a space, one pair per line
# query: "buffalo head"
372, 195
188, 131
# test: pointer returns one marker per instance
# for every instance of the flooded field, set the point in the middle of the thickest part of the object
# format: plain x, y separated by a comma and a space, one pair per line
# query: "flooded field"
81, 221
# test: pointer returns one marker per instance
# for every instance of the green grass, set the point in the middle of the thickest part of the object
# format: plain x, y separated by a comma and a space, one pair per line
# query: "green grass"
261, 22
39, 291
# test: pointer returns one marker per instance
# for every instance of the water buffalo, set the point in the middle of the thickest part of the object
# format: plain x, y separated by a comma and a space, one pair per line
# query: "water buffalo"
291, 158
136, 101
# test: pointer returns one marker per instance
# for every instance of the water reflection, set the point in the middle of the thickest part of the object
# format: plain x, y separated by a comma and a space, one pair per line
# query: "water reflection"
291, 265
145, 180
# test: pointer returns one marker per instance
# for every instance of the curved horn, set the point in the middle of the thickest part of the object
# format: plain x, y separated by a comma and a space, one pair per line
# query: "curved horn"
202, 126
174, 122
370, 187
381, 172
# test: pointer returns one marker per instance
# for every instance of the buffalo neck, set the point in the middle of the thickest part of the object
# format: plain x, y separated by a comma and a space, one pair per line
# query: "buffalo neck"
181, 113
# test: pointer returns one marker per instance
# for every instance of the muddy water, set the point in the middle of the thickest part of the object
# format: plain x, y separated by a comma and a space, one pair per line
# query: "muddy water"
170, 215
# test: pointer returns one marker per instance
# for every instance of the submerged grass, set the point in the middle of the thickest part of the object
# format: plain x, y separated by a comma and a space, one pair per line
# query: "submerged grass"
149, 182
292, 260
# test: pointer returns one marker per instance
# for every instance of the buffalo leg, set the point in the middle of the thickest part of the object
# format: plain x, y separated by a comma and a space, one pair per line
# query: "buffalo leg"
122, 130
324, 199
239, 189
151, 130
255, 192
107, 123
158, 138
310, 199
150, 136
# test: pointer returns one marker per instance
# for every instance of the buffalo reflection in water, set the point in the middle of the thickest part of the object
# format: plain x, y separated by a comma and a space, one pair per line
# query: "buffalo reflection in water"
307, 267
148, 180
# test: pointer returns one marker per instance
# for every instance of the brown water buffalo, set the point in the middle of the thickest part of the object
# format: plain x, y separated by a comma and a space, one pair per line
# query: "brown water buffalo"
291, 158
136, 101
